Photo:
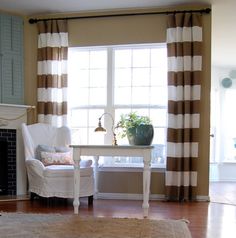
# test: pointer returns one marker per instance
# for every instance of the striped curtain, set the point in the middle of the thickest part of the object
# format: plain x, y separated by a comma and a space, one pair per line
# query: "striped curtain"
184, 40
52, 72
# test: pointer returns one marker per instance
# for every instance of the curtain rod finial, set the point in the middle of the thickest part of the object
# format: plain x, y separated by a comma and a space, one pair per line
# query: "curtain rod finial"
208, 10
32, 21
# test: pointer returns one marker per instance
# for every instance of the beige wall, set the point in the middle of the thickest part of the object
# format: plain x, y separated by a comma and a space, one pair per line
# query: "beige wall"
117, 30
125, 30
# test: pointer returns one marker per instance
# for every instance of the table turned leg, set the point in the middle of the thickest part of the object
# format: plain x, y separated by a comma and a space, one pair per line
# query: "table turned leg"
146, 183
96, 159
76, 201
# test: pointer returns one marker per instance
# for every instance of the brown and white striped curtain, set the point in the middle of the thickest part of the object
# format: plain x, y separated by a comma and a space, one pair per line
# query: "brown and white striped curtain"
184, 40
52, 72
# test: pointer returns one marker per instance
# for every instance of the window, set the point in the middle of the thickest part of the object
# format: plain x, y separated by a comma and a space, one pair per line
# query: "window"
228, 128
117, 80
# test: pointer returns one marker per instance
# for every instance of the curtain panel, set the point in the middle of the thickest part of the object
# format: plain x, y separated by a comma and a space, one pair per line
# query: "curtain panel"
184, 41
52, 72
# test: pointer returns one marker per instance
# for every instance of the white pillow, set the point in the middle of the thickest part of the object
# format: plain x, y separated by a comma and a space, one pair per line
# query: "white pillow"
45, 148
62, 149
86, 163
54, 158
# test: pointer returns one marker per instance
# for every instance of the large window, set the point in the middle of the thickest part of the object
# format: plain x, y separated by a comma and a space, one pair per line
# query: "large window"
117, 80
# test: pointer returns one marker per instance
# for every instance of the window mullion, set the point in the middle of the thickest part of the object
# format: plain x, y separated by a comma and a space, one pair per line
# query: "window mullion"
109, 107
110, 79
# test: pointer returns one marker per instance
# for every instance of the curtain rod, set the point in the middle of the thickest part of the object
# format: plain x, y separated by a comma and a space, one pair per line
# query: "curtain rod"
206, 10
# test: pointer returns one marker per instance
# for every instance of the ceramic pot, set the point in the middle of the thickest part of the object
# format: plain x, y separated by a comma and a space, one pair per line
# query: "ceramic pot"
140, 135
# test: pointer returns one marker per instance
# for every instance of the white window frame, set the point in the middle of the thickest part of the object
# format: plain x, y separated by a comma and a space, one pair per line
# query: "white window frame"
110, 107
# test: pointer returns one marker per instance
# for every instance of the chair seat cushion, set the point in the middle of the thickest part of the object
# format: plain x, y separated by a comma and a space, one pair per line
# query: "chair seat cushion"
66, 171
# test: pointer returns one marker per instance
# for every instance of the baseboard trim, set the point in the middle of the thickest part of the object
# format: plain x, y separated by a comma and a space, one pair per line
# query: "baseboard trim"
132, 196
128, 196
7, 198
202, 198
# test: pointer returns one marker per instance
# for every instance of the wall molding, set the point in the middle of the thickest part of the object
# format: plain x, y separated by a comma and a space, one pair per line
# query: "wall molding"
132, 196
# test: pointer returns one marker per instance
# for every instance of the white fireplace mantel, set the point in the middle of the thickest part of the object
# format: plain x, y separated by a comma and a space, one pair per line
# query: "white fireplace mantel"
11, 117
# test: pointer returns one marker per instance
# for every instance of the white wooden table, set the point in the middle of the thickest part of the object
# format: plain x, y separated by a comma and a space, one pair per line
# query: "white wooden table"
109, 150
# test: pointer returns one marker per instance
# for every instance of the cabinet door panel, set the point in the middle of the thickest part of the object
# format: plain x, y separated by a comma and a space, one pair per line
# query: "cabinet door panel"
11, 61
12, 80
11, 34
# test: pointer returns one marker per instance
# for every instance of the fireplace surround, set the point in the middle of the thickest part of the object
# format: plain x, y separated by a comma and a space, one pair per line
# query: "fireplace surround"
7, 162
13, 172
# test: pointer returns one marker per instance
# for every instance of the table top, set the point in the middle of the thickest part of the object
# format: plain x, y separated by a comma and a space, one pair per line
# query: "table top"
113, 146
112, 150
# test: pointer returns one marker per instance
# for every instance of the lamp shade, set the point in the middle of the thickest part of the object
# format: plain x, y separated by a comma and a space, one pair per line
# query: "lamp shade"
103, 130
100, 129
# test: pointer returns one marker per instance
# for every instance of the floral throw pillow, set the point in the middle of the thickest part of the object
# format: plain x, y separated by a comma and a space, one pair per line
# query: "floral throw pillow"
45, 148
61, 158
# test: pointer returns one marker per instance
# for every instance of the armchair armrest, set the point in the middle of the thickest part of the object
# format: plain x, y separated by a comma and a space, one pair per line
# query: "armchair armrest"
35, 167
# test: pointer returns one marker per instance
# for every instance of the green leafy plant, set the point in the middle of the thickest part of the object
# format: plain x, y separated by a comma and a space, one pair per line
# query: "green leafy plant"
131, 120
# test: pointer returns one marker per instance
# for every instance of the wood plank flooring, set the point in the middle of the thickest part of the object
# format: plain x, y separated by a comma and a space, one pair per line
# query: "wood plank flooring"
223, 192
207, 219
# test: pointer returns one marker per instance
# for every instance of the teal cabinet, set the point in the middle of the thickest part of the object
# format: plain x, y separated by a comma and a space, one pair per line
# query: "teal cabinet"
11, 59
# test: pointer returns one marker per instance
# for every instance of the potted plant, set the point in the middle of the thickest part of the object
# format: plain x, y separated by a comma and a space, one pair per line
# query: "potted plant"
138, 129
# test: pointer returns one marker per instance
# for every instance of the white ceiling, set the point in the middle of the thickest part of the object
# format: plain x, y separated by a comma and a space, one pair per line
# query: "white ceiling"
223, 17
29, 7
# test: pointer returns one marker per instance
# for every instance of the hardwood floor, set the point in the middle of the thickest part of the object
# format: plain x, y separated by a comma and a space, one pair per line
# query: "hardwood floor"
207, 219
223, 192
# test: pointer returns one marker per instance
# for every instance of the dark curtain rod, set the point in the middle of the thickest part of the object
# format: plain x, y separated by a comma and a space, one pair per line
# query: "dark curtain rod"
206, 10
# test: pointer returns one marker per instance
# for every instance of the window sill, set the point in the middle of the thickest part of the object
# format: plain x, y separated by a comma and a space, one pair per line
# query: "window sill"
130, 168
228, 162
223, 162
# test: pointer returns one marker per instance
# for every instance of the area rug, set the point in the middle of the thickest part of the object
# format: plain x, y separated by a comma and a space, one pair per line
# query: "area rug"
70, 226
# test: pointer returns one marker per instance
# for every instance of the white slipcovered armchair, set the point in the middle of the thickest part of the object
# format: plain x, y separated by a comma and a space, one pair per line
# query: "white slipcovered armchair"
53, 180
